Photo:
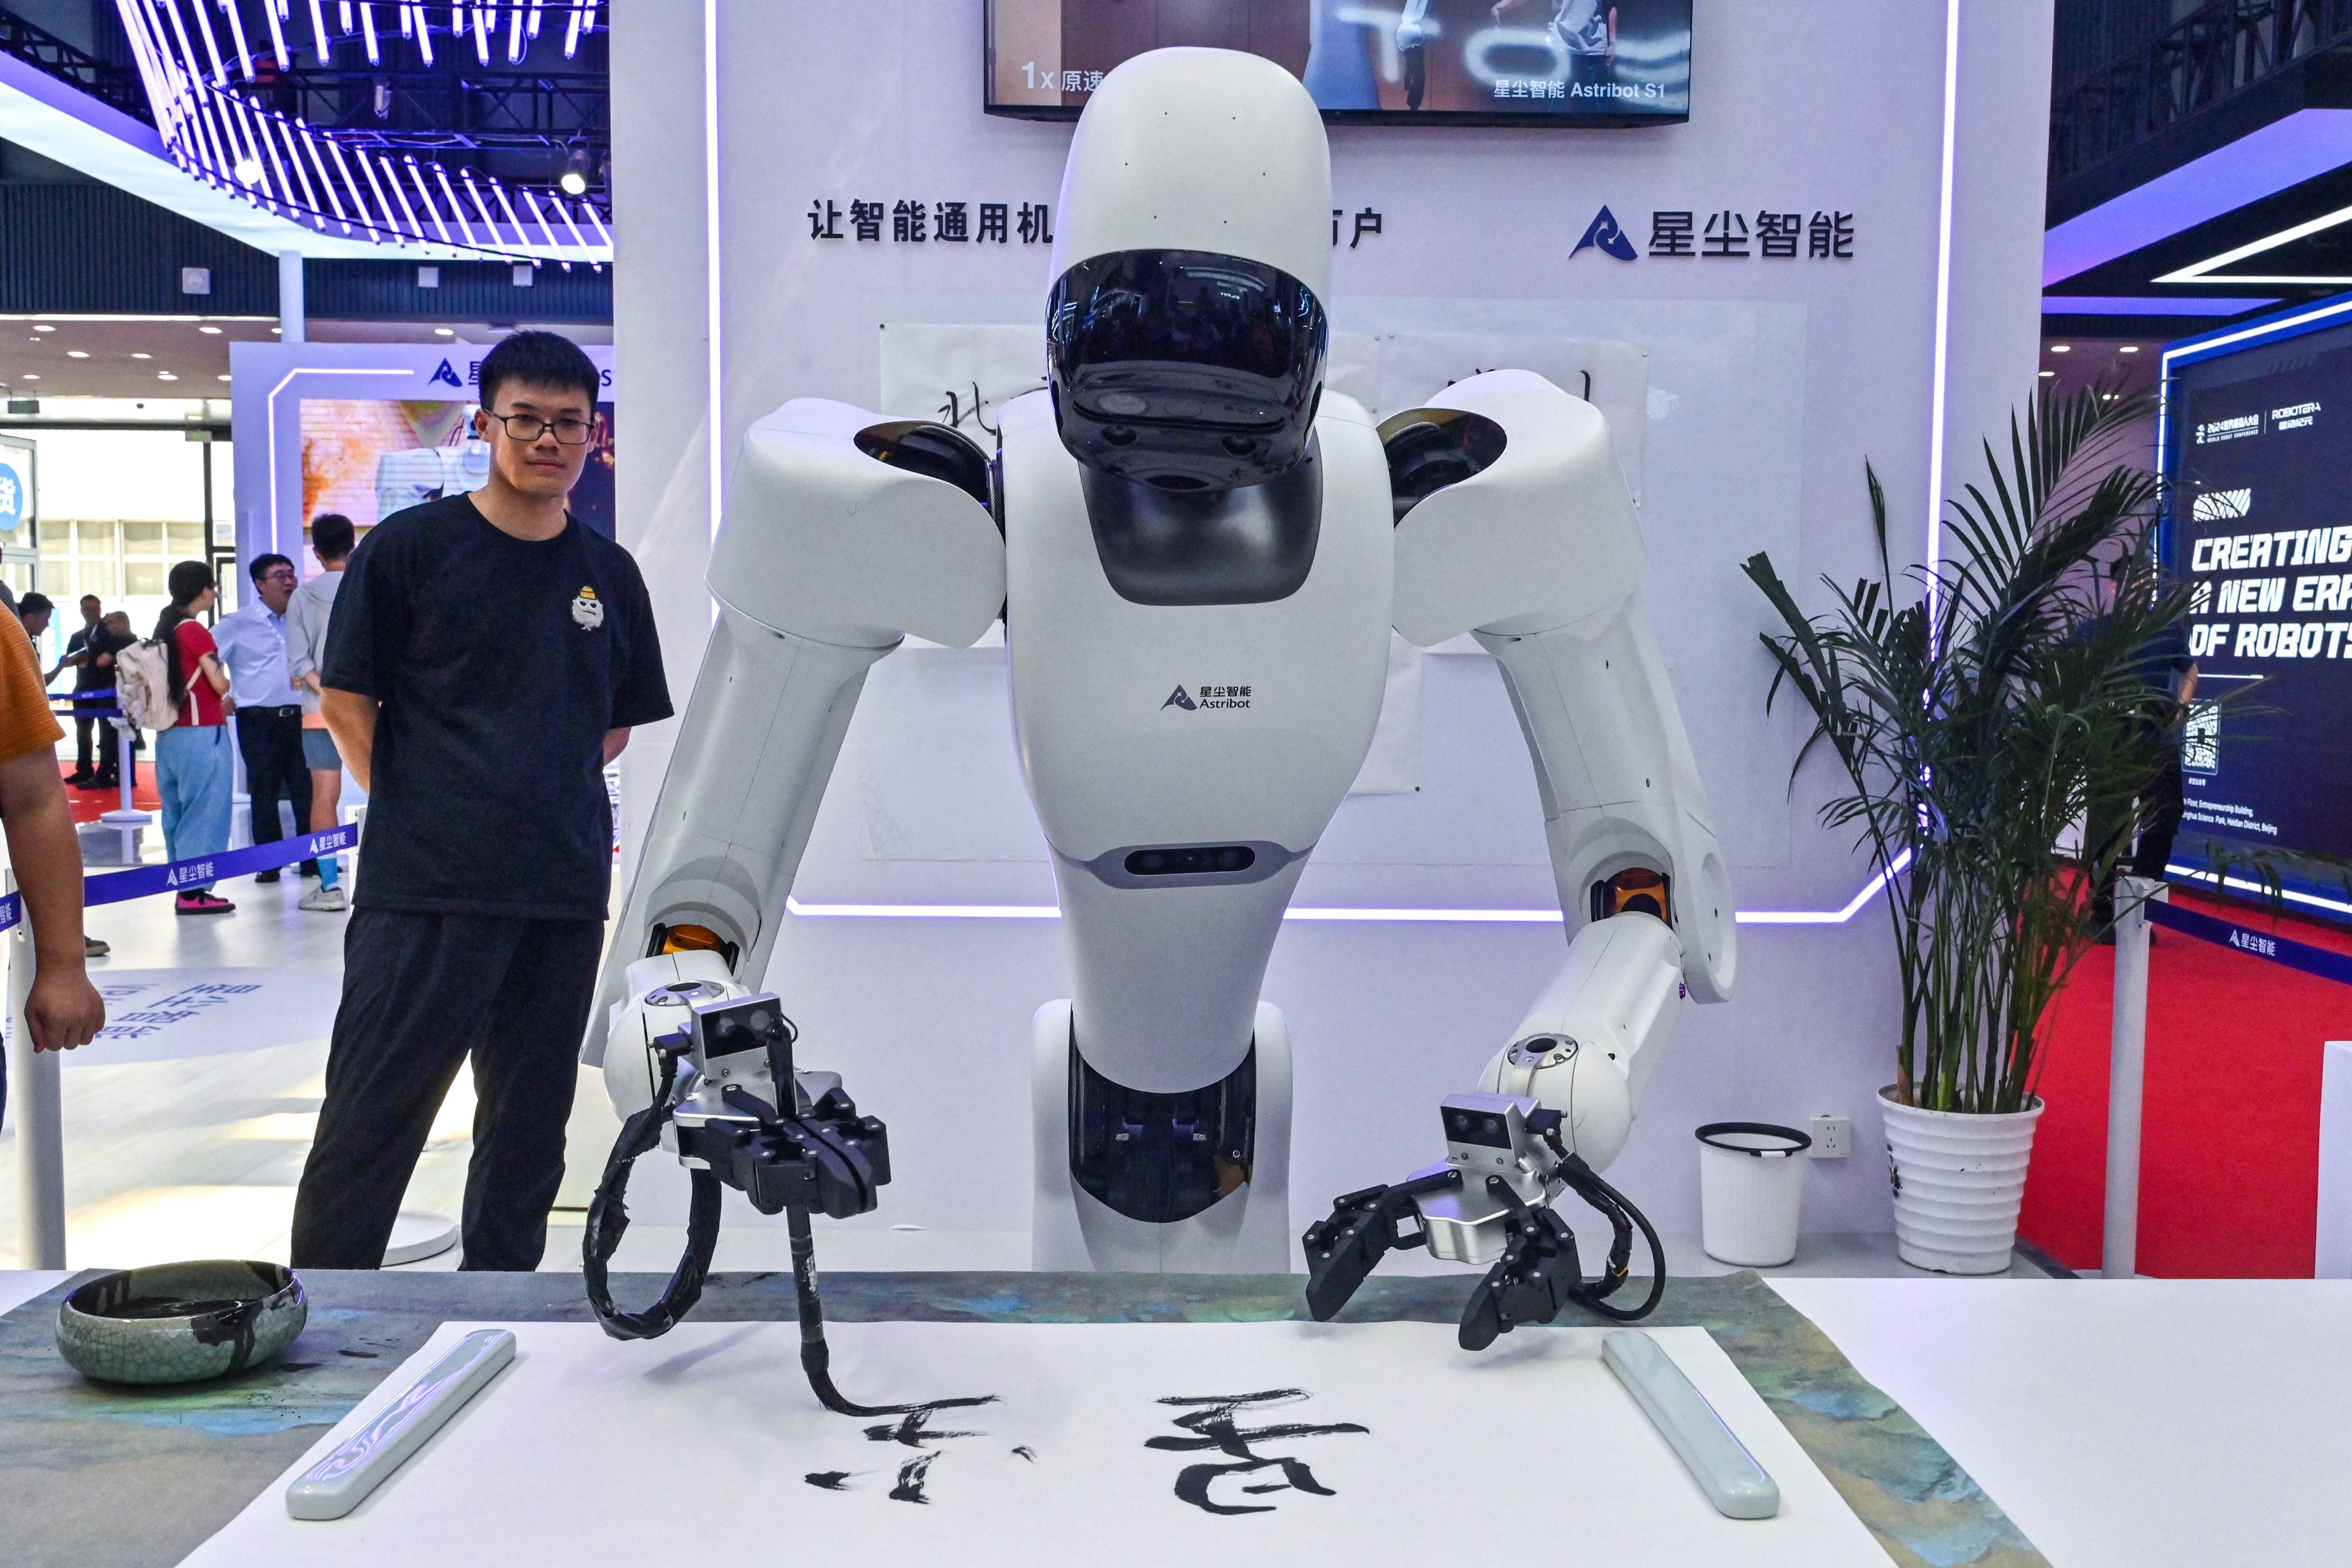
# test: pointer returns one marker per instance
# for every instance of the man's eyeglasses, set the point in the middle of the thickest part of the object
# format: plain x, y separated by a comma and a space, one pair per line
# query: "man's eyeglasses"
529, 427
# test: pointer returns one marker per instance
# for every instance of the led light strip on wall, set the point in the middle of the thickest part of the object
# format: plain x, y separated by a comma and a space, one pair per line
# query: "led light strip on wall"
285, 166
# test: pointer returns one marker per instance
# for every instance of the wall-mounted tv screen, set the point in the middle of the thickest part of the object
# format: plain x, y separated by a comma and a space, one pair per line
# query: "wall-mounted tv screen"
1462, 62
2257, 441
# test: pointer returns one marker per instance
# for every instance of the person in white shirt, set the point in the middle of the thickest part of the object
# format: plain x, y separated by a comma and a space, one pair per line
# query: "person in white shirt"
307, 614
268, 714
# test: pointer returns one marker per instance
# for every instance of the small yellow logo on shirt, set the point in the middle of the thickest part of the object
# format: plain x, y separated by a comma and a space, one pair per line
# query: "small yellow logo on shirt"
588, 610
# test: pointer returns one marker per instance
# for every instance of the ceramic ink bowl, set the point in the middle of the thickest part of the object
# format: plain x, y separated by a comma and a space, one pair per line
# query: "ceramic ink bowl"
180, 1323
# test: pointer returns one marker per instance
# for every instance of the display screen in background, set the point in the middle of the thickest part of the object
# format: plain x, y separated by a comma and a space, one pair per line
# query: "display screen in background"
368, 457
1544, 62
2261, 525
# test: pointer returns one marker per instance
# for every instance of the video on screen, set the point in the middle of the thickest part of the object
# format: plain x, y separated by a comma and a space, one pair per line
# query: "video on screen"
1556, 62
368, 457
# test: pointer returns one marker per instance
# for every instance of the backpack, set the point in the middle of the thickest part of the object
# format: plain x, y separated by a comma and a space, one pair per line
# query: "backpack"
143, 685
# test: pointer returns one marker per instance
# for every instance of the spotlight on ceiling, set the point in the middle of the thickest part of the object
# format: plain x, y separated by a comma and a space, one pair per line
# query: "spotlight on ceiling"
209, 331
43, 327
574, 178
2062, 348
2128, 349
248, 170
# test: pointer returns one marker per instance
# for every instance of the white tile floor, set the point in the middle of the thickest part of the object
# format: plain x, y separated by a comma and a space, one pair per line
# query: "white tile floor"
199, 1156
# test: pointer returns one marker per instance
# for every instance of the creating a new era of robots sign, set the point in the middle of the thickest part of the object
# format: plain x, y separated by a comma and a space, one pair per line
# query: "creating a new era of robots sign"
2264, 535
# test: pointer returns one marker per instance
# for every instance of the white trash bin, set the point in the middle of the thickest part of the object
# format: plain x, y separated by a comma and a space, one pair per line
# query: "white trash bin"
1751, 1187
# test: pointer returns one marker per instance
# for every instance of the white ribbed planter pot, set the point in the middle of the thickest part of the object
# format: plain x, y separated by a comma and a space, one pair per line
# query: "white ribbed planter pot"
1958, 1181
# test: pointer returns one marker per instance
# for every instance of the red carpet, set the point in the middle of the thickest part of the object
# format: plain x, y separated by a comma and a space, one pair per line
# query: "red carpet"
89, 803
2229, 1146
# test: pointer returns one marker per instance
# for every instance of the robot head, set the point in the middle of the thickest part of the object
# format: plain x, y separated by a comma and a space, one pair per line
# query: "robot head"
1185, 334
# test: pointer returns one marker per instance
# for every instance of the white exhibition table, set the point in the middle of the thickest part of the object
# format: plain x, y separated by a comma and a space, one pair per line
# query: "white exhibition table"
2149, 1421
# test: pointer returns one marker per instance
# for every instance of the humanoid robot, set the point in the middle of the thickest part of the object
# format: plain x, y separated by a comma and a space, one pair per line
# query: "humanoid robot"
1198, 550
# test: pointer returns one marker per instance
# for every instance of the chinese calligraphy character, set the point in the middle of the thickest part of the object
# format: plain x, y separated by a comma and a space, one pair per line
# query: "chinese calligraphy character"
7, 494
866, 219
1073, 81
1367, 222
911, 1430
1094, 80
1726, 235
825, 220
1037, 224
951, 223
908, 221
992, 221
1829, 235
1212, 1425
1670, 234
1776, 234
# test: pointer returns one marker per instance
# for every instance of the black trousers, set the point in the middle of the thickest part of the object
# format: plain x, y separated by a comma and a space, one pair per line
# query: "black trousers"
271, 739
421, 994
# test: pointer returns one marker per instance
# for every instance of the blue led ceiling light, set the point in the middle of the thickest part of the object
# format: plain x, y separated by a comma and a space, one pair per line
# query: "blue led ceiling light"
218, 129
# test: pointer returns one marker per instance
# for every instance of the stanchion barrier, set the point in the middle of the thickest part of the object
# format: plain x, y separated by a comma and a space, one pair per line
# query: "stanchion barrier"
2127, 1060
34, 1091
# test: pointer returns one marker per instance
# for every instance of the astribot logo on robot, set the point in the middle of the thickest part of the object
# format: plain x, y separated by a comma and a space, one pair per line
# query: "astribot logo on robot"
1210, 697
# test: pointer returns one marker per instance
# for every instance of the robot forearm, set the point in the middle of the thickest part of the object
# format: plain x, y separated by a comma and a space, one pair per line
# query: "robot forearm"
726, 835
1588, 1044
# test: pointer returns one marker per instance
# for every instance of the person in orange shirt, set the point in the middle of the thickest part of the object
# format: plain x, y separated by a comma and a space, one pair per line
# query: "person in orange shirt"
64, 1009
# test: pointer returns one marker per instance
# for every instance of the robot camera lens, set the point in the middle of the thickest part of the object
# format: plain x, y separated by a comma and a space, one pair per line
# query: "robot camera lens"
1119, 435
1126, 404
763, 1021
1231, 859
1240, 445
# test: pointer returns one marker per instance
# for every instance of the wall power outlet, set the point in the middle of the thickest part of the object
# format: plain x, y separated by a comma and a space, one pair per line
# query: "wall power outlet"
1832, 1136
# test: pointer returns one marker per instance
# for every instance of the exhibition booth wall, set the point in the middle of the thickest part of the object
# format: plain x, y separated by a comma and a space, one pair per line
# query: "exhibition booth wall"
365, 429
790, 198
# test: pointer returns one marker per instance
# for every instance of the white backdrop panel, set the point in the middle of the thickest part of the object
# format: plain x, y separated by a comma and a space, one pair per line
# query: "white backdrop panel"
1769, 383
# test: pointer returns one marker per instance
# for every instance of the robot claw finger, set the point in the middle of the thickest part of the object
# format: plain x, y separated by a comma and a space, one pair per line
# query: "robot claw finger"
1199, 551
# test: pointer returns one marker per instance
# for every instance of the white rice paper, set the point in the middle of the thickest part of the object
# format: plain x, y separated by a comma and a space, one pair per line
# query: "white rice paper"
701, 1447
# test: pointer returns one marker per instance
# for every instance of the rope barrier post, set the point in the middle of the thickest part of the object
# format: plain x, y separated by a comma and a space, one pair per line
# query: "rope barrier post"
126, 819
34, 1094
2126, 1073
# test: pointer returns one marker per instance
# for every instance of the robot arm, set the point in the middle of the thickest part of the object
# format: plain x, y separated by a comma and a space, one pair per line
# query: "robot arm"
1515, 526
844, 534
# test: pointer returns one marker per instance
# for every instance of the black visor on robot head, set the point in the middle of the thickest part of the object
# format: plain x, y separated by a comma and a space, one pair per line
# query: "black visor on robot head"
1184, 369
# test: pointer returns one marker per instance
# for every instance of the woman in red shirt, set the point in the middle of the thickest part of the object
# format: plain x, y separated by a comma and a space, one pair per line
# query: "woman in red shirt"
194, 774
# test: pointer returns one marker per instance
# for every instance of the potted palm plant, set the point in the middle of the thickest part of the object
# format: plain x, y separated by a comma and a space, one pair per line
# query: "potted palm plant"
1978, 712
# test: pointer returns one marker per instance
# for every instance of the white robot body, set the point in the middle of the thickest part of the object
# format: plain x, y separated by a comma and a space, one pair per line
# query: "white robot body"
1232, 731
1200, 553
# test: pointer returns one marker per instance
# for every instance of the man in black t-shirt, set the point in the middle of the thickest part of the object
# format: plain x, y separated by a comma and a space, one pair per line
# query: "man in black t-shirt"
486, 657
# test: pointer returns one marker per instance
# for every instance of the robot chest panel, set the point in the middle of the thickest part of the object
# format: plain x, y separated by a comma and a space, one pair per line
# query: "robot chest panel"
1177, 722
